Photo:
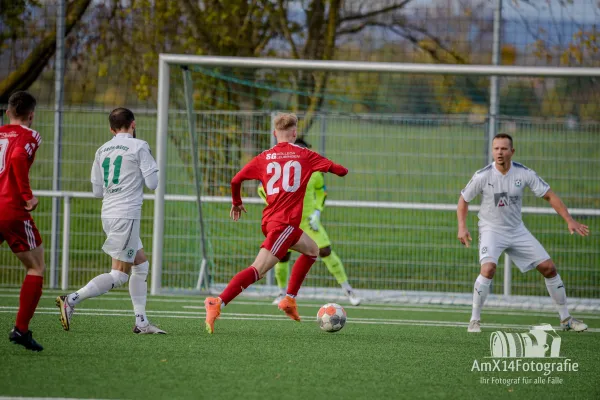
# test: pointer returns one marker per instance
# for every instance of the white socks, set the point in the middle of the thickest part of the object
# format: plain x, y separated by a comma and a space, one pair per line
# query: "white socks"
346, 286
99, 285
482, 289
138, 287
555, 286
556, 289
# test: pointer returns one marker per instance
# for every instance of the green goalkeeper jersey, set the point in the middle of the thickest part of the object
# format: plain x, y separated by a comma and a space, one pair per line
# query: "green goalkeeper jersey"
315, 196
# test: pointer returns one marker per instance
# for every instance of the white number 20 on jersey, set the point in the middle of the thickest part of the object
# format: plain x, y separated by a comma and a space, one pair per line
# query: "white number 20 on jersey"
275, 169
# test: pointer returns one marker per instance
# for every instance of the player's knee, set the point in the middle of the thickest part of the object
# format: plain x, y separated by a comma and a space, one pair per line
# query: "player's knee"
312, 250
488, 269
325, 252
39, 266
547, 269
34, 260
119, 278
37, 269
287, 257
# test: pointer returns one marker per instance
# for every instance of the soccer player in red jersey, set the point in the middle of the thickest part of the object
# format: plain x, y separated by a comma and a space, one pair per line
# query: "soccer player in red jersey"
284, 171
18, 144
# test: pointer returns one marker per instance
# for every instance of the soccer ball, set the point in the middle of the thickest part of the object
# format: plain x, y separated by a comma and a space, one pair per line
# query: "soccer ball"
331, 317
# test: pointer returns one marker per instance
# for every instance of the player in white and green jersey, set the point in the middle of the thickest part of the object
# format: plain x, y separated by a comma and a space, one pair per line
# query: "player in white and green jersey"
501, 229
314, 202
121, 168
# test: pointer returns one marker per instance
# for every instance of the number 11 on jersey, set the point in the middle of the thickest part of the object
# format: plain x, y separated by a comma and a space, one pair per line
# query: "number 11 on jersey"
117, 171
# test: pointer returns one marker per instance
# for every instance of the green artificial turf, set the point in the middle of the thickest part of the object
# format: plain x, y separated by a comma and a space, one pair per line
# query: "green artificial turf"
384, 351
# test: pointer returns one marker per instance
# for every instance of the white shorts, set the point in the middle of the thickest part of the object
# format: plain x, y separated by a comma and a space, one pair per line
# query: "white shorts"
122, 238
524, 249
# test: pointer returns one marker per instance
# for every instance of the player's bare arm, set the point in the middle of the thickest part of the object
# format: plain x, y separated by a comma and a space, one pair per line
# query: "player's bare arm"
236, 212
31, 204
461, 212
236, 187
561, 209
247, 173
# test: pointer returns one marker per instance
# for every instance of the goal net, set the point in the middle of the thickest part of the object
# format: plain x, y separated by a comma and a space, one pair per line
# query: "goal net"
411, 135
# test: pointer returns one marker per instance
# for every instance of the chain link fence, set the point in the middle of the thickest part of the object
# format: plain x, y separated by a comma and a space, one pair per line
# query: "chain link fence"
392, 158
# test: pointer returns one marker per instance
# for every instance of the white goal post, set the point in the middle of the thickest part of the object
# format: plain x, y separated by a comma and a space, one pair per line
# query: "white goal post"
168, 60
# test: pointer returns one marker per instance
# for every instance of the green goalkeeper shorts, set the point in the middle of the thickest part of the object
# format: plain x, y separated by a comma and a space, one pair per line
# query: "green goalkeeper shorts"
320, 236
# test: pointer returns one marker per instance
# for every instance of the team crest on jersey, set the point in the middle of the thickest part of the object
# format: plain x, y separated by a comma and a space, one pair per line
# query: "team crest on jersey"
501, 199
130, 253
518, 183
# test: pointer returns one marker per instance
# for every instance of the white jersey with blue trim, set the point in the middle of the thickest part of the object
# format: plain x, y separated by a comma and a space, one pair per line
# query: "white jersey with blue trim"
502, 195
120, 166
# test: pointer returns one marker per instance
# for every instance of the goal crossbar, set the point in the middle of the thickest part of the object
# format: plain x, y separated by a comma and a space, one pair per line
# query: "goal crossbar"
355, 66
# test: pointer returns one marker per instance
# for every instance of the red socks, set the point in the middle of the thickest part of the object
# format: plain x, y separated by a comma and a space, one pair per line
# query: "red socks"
239, 282
299, 271
31, 291
247, 277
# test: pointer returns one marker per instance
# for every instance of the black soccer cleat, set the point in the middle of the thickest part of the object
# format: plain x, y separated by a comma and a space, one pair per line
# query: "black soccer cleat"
24, 339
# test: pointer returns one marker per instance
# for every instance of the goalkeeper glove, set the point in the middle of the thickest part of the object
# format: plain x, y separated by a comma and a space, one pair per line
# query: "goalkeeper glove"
261, 193
313, 220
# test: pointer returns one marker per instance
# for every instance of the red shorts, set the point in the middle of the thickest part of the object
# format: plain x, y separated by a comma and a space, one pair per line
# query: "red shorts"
280, 237
20, 235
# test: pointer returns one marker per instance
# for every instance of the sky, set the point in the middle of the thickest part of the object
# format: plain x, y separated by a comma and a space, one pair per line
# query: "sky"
583, 11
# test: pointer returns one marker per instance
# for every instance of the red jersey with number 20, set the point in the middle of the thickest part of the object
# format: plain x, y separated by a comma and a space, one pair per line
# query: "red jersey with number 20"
284, 171
18, 145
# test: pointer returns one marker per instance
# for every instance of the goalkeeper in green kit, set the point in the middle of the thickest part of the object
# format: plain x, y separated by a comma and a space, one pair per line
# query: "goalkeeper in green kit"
314, 202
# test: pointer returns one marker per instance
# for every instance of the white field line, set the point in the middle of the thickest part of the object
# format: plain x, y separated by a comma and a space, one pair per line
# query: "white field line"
269, 317
93, 311
420, 308
409, 308
427, 309
122, 295
229, 315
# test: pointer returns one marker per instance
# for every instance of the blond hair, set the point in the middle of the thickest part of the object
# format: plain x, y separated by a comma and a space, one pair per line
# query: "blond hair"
285, 121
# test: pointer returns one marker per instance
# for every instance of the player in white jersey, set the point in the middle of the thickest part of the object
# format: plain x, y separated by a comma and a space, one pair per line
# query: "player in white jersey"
121, 168
501, 185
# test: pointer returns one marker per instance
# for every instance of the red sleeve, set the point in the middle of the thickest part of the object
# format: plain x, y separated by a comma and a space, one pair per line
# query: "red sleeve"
318, 162
338, 169
20, 166
323, 164
249, 172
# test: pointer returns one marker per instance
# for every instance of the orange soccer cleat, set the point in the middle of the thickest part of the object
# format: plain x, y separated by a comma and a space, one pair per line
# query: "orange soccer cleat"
213, 310
288, 306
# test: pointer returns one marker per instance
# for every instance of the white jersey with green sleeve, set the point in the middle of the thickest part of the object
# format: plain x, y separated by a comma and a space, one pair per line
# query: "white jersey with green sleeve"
502, 195
120, 166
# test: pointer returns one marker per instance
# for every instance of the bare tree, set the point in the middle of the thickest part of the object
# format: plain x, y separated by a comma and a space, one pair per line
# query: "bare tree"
29, 68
